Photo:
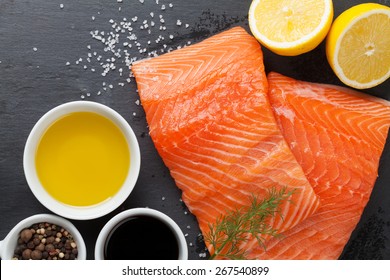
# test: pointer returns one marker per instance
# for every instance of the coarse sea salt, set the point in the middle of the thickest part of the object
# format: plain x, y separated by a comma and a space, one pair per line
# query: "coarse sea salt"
129, 40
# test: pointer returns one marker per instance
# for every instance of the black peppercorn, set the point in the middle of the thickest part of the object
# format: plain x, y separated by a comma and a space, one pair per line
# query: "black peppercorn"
45, 241
36, 255
30, 245
26, 254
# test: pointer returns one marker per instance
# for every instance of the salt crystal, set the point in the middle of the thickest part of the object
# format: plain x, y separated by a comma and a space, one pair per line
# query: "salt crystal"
119, 1
67, 63
187, 25
93, 18
35, 49
152, 14
170, 5
99, 93
178, 22
163, 7
61, 6
137, 102
171, 36
141, 1
163, 198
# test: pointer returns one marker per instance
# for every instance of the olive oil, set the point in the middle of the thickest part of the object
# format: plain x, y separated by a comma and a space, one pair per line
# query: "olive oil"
82, 159
141, 238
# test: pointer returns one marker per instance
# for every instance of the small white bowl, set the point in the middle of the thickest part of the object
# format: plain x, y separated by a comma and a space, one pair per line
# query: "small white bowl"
8, 245
85, 212
116, 220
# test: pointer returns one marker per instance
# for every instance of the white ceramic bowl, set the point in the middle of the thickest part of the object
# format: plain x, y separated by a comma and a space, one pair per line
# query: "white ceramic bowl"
116, 220
85, 212
8, 245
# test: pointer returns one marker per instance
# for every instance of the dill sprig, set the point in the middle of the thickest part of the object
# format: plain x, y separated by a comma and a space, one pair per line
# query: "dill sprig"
236, 227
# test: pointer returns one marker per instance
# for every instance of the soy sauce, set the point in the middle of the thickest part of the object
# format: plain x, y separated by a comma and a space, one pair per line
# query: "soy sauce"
141, 238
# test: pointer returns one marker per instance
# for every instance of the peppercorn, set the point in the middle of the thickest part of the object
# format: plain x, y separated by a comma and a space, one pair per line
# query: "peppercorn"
45, 255
40, 247
36, 255
26, 254
30, 245
50, 240
26, 235
45, 241
49, 247
36, 241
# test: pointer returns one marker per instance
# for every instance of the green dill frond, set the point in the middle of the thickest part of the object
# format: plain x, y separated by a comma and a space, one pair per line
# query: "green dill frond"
234, 228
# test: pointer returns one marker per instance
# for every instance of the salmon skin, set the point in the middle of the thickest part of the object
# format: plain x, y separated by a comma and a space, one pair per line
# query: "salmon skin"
337, 135
211, 122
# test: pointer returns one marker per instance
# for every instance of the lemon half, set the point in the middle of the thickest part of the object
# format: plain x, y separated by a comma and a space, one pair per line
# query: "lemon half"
290, 27
358, 45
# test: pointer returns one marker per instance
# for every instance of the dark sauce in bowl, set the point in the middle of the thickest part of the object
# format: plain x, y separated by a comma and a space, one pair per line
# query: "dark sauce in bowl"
141, 238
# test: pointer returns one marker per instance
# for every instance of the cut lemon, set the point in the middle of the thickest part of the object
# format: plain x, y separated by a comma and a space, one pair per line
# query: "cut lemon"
290, 27
358, 45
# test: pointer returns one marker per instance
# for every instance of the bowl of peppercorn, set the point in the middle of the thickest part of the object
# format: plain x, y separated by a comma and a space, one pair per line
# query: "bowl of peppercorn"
43, 237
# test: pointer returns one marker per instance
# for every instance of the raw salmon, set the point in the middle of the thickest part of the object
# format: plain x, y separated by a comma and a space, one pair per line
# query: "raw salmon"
211, 121
337, 135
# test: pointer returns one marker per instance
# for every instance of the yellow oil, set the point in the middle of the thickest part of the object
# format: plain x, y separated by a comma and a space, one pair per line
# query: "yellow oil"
82, 159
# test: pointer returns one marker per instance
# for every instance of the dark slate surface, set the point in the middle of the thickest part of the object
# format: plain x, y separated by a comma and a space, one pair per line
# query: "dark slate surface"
38, 38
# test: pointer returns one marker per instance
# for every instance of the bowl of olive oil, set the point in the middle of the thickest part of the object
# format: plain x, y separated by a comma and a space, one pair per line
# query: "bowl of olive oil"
81, 160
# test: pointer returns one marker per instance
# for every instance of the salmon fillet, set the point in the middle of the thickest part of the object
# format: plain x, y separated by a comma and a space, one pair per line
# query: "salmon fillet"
211, 122
337, 135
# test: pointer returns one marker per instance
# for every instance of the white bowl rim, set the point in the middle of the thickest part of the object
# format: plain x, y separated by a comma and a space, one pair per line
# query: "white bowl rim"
117, 219
74, 212
8, 244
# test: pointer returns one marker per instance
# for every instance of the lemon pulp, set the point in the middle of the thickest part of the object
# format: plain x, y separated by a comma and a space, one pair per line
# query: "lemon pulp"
357, 46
